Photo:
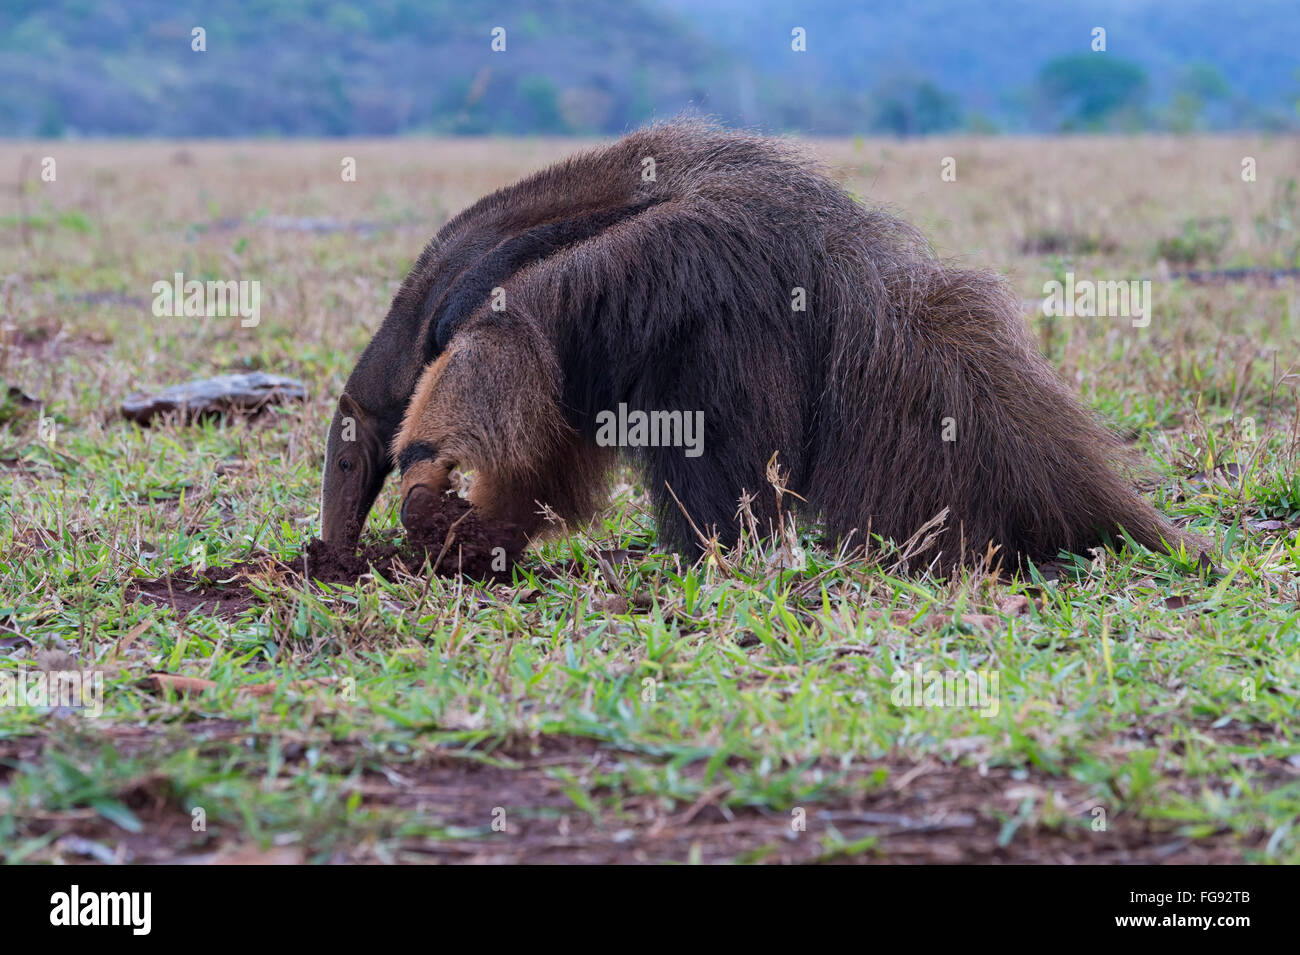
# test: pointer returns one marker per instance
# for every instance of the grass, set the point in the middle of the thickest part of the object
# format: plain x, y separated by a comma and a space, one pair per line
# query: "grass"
741, 710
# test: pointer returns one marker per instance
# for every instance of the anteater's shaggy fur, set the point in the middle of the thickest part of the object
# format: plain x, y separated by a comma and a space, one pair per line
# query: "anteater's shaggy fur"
678, 292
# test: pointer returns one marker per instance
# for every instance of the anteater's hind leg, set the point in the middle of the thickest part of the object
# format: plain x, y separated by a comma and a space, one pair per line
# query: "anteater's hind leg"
488, 406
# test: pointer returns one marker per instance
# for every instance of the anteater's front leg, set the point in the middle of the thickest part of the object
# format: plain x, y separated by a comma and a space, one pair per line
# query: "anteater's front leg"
488, 406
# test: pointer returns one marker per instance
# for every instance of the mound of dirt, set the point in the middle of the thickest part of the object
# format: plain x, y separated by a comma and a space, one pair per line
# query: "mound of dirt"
444, 531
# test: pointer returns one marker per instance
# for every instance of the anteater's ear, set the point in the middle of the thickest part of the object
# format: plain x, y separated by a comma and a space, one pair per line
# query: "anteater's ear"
350, 409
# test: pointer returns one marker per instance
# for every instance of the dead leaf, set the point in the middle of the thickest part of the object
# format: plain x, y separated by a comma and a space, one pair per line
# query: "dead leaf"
181, 684
125, 643
194, 684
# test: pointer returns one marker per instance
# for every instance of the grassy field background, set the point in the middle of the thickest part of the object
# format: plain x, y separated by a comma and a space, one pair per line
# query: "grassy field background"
636, 709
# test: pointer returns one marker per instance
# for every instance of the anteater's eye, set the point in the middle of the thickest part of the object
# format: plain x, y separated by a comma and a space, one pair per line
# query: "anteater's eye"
345, 464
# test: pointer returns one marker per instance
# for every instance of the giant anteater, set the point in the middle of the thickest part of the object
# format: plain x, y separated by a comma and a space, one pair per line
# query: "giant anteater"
688, 268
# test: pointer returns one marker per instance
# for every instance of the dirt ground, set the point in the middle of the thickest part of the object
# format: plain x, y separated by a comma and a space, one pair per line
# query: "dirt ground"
927, 812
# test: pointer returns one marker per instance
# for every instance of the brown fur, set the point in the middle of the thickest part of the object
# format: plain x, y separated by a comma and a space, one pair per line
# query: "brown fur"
509, 433
682, 301
375, 398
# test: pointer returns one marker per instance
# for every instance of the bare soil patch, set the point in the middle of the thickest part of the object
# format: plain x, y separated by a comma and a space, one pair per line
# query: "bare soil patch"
220, 592
453, 540
46, 340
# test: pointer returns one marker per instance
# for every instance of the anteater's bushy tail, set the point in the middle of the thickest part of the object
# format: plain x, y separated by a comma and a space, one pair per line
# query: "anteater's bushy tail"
938, 399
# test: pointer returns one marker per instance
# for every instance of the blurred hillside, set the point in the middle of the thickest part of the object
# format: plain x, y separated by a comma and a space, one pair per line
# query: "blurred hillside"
319, 68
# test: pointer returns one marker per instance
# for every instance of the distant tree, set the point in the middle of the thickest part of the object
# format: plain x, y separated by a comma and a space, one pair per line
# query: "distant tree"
1091, 90
348, 67
51, 125
981, 124
541, 104
1204, 81
1198, 86
913, 106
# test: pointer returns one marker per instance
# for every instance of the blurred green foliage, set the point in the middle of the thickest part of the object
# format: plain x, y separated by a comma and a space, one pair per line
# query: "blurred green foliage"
332, 68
